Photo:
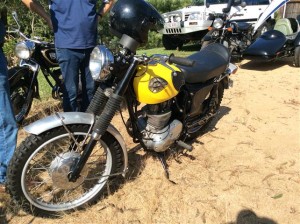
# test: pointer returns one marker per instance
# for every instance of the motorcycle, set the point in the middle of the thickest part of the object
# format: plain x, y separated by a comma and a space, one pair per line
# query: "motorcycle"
35, 56
236, 36
283, 41
68, 158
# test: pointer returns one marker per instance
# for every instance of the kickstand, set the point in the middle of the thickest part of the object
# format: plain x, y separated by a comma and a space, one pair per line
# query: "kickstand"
165, 166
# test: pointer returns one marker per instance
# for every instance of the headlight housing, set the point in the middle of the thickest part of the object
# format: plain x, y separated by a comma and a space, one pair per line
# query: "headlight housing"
177, 18
195, 16
166, 18
24, 49
100, 60
218, 23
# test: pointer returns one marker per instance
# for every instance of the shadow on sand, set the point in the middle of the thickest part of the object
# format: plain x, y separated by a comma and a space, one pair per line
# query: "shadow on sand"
249, 217
267, 65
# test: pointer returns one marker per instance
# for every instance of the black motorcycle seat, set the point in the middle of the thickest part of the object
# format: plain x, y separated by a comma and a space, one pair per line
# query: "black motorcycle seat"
210, 62
266, 46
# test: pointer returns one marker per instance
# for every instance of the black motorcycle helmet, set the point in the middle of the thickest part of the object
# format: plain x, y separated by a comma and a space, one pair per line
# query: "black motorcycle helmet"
134, 18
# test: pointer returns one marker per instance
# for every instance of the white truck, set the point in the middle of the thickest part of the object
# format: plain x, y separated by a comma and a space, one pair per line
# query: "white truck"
191, 22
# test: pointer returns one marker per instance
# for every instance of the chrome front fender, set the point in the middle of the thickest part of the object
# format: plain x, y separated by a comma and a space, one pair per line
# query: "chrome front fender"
67, 118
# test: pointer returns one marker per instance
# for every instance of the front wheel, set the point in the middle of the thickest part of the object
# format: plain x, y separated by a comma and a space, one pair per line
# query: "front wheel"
297, 56
262, 29
205, 43
21, 98
38, 172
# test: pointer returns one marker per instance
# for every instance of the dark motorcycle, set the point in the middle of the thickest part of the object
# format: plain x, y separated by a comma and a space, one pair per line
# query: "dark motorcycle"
68, 158
36, 56
283, 41
236, 36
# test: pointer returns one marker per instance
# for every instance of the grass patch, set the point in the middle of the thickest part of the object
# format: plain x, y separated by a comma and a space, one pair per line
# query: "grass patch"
183, 52
45, 89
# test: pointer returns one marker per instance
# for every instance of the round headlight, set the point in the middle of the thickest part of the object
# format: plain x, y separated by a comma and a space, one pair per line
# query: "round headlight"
177, 18
100, 61
194, 16
218, 23
24, 49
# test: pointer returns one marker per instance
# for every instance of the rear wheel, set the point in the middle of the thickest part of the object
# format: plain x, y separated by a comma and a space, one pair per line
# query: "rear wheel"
38, 172
211, 106
297, 56
21, 98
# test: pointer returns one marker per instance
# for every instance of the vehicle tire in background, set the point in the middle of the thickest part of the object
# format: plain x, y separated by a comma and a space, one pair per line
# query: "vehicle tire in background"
171, 43
297, 56
262, 29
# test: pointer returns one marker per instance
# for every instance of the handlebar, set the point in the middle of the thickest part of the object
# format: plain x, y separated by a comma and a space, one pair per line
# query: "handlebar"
15, 17
181, 61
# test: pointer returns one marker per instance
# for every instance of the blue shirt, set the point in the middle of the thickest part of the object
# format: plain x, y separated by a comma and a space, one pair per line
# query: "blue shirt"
74, 23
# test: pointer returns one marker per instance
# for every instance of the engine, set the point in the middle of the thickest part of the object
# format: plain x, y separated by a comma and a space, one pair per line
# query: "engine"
159, 133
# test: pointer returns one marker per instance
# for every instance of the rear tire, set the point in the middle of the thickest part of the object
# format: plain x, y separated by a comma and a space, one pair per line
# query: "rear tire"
37, 173
297, 56
211, 105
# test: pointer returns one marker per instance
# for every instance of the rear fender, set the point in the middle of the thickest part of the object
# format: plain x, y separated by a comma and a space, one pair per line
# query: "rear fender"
67, 118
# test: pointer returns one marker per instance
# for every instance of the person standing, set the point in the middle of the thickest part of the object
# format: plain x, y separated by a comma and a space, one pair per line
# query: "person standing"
8, 126
75, 30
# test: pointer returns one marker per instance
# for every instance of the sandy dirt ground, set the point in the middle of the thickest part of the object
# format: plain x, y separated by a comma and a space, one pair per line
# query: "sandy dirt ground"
244, 169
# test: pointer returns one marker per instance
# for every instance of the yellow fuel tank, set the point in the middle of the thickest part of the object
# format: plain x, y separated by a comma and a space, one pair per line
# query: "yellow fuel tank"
154, 84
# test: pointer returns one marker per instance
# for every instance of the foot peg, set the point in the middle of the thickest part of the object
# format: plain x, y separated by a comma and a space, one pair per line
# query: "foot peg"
185, 145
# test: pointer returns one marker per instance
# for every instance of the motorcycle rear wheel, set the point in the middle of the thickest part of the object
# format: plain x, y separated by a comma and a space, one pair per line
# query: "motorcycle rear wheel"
37, 173
211, 105
20, 100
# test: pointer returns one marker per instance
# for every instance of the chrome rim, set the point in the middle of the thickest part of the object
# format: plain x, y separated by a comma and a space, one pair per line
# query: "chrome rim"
37, 180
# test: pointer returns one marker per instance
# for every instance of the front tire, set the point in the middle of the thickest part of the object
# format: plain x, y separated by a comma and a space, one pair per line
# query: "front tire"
262, 29
297, 56
205, 43
21, 98
37, 173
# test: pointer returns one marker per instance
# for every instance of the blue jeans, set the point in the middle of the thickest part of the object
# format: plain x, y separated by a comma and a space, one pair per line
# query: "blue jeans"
8, 126
71, 61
